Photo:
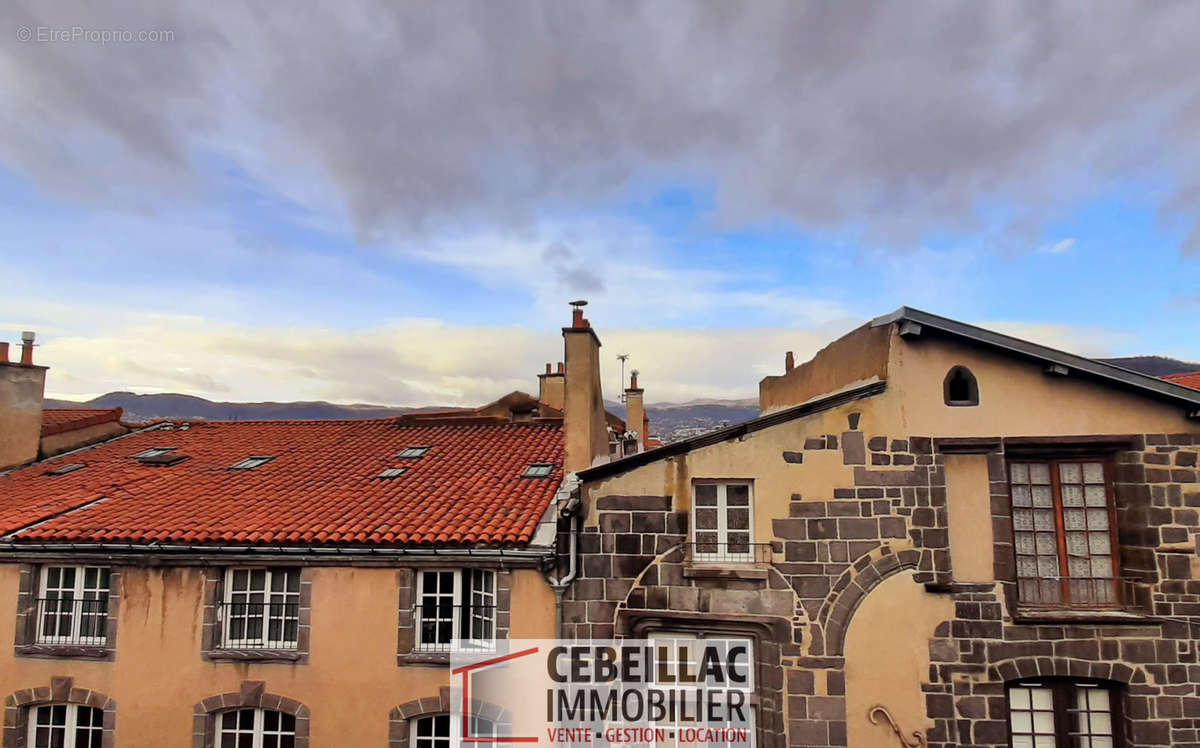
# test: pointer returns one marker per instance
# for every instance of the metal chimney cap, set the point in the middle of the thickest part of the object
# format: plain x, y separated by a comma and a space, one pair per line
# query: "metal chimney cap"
28, 336
579, 303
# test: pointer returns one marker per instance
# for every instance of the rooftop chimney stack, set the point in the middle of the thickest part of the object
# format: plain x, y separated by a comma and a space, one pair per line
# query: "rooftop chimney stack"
27, 339
583, 402
635, 410
22, 389
550, 392
789, 361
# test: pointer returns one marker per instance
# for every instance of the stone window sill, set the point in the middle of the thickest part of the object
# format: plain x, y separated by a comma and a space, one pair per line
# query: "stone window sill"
64, 651
255, 655
1058, 615
423, 658
746, 571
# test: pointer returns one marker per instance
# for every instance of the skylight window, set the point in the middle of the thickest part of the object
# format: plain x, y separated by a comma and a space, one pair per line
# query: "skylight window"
538, 470
413, 453
70, 467
163, 459
393, 472
250, 463
152, 452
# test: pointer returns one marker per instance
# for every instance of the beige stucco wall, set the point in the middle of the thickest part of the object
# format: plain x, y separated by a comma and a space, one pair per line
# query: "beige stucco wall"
1015, 397
21, 392
858, 356
887, 654
532, 608
350, 683
68, 440
968, 504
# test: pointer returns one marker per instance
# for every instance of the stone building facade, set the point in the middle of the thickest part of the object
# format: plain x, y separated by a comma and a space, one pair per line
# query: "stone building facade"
912, 563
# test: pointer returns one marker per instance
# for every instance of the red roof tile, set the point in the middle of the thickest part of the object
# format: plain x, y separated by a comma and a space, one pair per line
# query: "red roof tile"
58, 420
320, 488
1187, 379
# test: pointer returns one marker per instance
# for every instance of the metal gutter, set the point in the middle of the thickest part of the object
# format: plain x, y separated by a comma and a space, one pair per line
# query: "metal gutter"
331, 552
733, 432
1075, 365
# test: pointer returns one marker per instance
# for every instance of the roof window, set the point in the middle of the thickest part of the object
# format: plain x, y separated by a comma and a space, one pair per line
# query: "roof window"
70, 467
392, 472
538, 470
162, 459
152, 452
251, 462
413, 453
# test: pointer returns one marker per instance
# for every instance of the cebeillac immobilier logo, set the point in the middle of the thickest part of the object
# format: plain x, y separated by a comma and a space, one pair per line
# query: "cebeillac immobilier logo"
670, 690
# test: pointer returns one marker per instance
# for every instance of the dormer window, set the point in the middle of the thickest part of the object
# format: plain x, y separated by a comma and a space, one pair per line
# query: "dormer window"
250, 463
413, 453
960, 388
538, 470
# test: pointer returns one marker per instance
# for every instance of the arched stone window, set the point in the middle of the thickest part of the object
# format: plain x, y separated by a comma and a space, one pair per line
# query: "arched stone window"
59, 714
262, 719
960, 388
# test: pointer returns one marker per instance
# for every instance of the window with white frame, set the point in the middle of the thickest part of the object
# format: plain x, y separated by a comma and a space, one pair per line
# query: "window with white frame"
455, 608
442, 731
73, 607
1061, 714
722, 521
430, 732
255, 728
261, 608
65, 726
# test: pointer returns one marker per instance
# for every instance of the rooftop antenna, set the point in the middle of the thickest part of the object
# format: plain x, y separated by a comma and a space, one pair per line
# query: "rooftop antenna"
622, 357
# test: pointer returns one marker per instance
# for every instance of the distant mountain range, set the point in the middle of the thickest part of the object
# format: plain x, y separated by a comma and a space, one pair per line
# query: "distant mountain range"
669, 421
168, 405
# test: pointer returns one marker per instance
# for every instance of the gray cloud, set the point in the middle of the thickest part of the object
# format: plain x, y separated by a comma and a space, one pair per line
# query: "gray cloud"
572, 272
896, 117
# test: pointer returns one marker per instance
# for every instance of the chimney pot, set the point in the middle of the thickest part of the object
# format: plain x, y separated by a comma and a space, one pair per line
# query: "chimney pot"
561, 368
27, 339
577, 319
633, 375
3, 353
547, 367
789, 361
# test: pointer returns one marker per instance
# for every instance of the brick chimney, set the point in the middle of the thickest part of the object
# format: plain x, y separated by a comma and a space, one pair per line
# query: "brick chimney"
583, 401
635, 410
550, 390
22, 389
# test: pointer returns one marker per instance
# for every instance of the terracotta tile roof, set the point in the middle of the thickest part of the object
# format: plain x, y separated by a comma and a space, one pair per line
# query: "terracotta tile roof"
320, 488
1187, 379
58, 420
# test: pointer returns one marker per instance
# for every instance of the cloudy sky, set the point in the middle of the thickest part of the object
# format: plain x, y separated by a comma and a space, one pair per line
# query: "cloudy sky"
393, 202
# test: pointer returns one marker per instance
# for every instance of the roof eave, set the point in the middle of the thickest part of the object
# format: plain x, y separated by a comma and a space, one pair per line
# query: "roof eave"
1075, 364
